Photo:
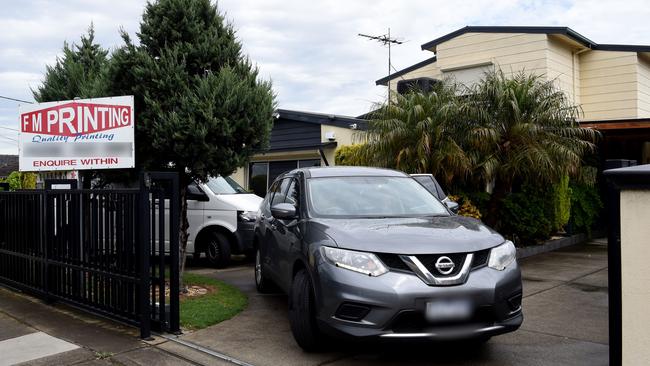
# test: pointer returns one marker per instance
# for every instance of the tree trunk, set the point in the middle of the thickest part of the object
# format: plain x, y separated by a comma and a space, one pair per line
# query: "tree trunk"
183, 235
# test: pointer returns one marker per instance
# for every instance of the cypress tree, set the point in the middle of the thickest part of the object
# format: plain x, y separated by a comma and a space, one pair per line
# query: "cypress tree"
201, 108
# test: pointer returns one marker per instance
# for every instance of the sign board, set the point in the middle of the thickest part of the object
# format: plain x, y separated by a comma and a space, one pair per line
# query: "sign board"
77, 135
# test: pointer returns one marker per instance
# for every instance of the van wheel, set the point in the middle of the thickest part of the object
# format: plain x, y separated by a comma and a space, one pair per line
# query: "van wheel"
302, 314
217, 250
262, 283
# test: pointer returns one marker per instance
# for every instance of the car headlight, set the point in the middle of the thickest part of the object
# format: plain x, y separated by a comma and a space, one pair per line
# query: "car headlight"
502, 256
366, 263
246, 216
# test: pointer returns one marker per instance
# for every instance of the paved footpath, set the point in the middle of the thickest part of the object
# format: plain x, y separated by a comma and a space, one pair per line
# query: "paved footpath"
565, 311
32, 333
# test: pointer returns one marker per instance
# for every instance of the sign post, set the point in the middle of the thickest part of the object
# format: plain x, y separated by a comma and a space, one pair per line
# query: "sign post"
77, 135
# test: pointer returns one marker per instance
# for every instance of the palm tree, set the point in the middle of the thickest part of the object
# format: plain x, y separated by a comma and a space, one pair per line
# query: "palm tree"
522, 128
419, 133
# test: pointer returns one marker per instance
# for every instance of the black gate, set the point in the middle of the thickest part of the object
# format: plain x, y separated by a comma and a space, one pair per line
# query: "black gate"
100, 250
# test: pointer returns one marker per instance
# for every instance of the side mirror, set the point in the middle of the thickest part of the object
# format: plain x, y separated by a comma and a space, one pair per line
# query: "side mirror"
195, 193
284, 211
452, 206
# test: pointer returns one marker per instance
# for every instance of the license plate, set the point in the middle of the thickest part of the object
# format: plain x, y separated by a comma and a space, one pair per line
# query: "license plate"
448, 310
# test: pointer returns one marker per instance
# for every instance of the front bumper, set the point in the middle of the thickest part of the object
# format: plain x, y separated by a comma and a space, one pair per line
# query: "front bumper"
395, 304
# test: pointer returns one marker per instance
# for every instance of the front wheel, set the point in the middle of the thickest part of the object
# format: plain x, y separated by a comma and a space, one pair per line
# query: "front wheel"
262, 283
302, 314
217, 250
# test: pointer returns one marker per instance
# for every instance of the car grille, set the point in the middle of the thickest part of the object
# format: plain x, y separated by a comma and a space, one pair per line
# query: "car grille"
394, 262
429, 261
480, 258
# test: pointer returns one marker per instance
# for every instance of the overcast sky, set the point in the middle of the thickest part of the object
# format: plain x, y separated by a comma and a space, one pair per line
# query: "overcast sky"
310, 49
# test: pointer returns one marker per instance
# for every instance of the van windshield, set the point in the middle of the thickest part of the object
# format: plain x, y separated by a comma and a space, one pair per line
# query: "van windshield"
227, 185
369, 197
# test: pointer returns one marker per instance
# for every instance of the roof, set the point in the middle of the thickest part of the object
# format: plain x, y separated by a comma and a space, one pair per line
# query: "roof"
323, 119
511, 29
349, 171
564, 31
384, 80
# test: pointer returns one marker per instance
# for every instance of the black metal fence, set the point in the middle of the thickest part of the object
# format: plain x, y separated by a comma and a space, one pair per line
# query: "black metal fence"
100, 250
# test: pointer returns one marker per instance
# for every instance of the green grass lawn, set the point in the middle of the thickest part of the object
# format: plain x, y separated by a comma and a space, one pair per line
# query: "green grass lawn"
216, 306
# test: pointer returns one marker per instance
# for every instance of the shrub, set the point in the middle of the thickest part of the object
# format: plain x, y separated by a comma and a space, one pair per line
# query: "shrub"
18, 180
465, 206
352, 155
562, 203
524, 216
28, 181
479, 199
585, 207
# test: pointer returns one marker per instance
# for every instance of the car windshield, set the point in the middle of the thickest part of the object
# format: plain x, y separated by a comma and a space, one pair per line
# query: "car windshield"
227, 185
372, 197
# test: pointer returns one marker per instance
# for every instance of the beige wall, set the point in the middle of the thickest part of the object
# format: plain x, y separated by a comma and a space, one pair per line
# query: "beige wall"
343, 136
644, 86
563, 66
512, 52
635, 276
239, 176
608, 84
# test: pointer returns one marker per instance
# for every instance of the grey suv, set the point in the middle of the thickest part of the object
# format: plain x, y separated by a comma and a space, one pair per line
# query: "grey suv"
370, 253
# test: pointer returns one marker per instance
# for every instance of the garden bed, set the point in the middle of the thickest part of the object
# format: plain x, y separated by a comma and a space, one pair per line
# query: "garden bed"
551, 245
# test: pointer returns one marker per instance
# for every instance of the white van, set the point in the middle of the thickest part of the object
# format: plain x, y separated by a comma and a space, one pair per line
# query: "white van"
221, 216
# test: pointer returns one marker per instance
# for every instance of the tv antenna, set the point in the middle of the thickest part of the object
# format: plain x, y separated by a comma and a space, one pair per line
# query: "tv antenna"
386, 41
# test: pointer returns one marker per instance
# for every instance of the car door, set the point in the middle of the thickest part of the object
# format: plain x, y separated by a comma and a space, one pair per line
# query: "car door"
287, 234
271, 254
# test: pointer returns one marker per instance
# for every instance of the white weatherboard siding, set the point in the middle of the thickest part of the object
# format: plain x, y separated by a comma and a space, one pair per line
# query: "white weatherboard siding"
512, 52
468, 56
564, 68
31, 347
635, 276
644, 86
608, 85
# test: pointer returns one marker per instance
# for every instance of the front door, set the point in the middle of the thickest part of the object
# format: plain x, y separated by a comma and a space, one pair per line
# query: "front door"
287, 234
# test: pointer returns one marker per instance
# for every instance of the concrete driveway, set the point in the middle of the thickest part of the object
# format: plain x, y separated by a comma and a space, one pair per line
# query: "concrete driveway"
565, 310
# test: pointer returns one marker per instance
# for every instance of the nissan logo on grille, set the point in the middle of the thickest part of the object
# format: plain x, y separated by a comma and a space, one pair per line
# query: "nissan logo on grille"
445, 265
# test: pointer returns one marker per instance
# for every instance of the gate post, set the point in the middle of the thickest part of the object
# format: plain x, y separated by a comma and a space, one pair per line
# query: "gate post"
45, 256
174, 218
144, 251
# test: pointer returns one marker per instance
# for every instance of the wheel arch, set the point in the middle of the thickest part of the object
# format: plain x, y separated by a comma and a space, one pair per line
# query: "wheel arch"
207, 230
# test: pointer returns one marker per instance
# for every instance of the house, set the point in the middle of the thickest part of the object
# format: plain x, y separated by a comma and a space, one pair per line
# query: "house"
298, 139
611, 82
